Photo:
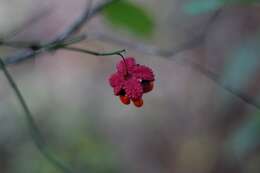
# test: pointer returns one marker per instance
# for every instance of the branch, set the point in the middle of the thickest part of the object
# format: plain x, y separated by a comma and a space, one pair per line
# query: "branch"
31, 52
76, 25
84, 18
153, 50
94, 52
27, 54
216, 78
38, 49
33, 128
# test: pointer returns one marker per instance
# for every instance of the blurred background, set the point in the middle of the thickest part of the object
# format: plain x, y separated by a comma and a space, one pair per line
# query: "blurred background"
202, 116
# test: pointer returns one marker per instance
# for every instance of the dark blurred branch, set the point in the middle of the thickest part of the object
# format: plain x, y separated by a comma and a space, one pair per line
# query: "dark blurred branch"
84, 18
153, 50
33, 128
216, 78
77, 24
29, 52
39, 49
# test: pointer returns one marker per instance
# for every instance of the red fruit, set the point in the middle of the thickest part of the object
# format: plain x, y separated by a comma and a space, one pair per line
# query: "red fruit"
125, 100
131, 81
138, 76
138, 102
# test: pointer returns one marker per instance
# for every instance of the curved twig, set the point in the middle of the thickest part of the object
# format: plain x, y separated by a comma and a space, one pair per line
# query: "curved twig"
93, 52
33, 128
29, 53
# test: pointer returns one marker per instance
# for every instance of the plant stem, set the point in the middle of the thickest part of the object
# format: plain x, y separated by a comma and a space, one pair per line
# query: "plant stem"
93, 52
33, 128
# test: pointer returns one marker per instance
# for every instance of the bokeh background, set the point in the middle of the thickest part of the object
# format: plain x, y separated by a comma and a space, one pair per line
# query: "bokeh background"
190, 122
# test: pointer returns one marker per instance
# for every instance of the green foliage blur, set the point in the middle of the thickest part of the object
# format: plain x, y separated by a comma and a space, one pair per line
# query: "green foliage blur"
89, 154
196, 7
127, 15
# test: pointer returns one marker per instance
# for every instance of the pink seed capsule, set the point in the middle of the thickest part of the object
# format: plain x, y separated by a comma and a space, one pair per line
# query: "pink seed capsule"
131, 81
